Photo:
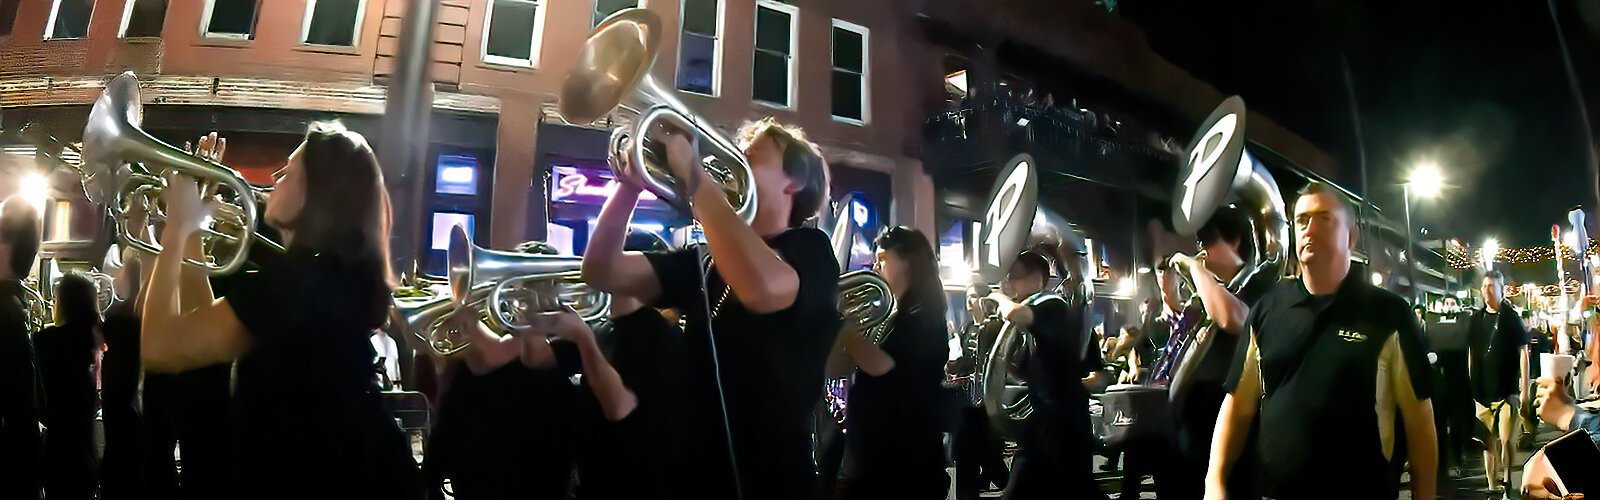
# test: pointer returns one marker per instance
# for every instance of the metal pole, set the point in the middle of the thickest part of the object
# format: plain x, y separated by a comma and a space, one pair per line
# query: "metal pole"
404, 144
1410, 258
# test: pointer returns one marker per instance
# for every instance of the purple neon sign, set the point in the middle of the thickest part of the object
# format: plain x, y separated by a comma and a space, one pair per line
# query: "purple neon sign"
589, 186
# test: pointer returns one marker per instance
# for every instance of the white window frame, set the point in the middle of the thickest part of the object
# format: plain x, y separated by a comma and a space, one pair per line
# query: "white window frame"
539, 7
127, 17
355, 32
794, 48
866, 70
716, 49
50, 25
594, 7
205, 24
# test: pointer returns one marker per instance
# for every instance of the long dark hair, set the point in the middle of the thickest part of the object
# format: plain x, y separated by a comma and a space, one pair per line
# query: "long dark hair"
346, 211
78, 301
925, 288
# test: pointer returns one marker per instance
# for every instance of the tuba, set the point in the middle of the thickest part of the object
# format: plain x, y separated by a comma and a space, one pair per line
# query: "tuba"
612, 72
115, 152
1014, 222
1221, 171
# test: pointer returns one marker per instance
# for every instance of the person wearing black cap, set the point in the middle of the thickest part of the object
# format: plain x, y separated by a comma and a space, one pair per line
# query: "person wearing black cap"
1055, 458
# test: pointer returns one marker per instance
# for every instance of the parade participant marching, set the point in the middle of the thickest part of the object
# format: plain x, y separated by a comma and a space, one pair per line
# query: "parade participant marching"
66, 358
19, 408
895, 446
1498, 365
309, 412
1321, 354
761, 311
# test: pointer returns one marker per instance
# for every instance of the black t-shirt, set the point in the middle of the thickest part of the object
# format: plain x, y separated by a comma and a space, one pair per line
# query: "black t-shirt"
1216, 362
771, 366
1495, 353
1057, 368
893, 418
66, 363
305, 402
508, 433
640, 455
1325, 364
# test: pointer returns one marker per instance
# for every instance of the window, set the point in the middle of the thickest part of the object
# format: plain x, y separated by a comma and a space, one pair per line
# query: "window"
231, 19
699, 47
143, 18
69, 19
332, 22
773, 67
849, 72
513, 34
8, 15
605, 8
60, 221
456, 174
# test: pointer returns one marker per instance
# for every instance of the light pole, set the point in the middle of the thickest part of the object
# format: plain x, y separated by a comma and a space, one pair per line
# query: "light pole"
1426, 181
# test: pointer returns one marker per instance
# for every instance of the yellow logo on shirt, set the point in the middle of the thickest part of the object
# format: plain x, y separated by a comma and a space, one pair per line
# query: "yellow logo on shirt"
1352, 336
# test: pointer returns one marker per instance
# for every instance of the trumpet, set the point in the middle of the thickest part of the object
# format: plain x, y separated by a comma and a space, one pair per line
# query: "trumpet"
612, 72
115, 151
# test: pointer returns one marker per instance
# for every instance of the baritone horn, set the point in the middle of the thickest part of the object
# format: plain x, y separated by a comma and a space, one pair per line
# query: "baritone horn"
865, 300
613, 72
115, 155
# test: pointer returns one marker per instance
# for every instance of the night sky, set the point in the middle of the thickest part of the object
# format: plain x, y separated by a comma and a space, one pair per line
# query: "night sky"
1478, 88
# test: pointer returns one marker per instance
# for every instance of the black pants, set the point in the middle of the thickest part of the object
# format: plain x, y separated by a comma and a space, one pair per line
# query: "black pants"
1056, 459
119, 469
1453, 407
829, 452
158, 437
980, 455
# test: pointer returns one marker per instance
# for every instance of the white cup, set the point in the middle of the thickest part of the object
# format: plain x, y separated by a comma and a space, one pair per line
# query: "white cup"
1555, 365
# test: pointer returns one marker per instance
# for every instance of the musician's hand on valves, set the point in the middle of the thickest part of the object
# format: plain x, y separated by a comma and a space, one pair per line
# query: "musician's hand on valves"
682, 157
185, 210
572, 328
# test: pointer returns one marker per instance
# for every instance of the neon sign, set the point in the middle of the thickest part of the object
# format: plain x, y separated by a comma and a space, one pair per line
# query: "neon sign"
575, 186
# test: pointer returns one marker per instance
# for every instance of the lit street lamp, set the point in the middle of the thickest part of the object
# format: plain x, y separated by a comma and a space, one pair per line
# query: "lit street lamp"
1426, 182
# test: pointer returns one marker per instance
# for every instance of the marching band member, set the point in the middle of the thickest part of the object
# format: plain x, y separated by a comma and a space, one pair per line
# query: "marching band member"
1056, 454
66, 358
305, 400
979, 453
768, 297
1224, 240
1328, 363
895, 446
19, 410
505, 415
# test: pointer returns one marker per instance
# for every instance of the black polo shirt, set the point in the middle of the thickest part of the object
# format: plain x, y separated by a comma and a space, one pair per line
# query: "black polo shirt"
1331, 369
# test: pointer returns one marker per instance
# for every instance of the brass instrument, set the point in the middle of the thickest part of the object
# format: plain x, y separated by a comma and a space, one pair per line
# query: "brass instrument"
509, 289
1221, 171
1015, 221
38, 311
115, 153
612, 72
865, 300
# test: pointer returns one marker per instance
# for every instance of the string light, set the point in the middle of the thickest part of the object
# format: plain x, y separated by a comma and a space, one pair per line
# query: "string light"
1461, 258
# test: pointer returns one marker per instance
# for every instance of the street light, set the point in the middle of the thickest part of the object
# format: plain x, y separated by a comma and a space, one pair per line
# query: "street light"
1426, 182
1490, 252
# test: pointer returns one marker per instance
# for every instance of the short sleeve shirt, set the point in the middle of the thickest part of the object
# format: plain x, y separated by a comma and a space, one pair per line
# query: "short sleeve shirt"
771, 364
637, 457
1332, 369
308, 375
891, 416
1056, 369
1496, 346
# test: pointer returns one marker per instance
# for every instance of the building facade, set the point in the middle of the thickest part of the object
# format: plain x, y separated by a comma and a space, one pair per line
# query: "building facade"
501, 160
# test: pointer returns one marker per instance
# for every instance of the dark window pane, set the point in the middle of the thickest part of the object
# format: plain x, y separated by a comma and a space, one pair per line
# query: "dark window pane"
847, 50
72, 19
233, 16
700, 16
333, 22
772, 30
696, 63
771, 78
146, 18
511, 29
846, 94
8, 15
605, 8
